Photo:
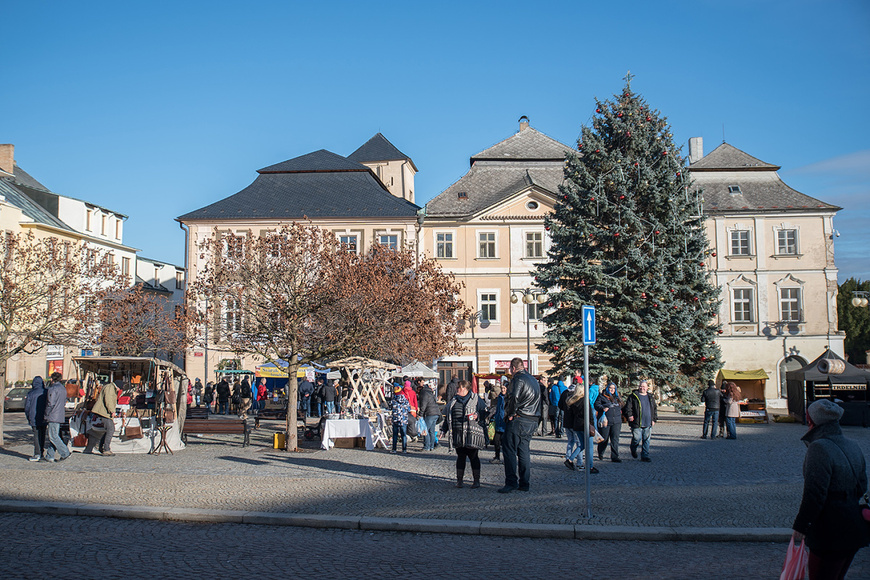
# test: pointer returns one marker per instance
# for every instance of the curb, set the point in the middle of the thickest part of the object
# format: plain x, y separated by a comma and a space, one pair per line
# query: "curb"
474, 528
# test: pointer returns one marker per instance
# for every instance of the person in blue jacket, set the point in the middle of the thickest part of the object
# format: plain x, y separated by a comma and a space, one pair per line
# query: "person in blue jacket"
34, 409
498, 419
555, 394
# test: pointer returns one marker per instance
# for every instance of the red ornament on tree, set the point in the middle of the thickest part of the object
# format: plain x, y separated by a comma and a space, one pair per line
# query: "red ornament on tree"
621, 197
657, 232
720, 331
695, 298
665, 152
713, 254
643, 294
703, 358
648, 118
619, 114
597, 150
702, 264
635, 163
624, 339
628, 133
655, 305
616, 234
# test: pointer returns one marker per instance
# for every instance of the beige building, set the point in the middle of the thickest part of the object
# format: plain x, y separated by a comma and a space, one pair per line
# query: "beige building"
773, 257
333, 192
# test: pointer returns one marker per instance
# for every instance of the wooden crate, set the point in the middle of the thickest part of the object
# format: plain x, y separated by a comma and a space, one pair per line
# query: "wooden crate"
350, 442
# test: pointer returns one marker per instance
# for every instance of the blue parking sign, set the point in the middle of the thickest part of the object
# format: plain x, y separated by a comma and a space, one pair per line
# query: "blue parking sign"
588, 325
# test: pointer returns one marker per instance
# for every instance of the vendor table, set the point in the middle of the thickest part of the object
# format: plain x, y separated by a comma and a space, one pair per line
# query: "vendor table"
335, 428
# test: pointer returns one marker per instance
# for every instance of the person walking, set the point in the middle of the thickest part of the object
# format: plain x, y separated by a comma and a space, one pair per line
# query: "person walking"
556, 412
430, 411
306, 390
712, 398
835, 476
208, 397
640, 408
497, 417
574, 406
732, 413
223, 396
723, 408
401, 409
329, 395
464, 417
104, 407
34, 410
244, 397
609, 407
522, 413
54, 417
197, 392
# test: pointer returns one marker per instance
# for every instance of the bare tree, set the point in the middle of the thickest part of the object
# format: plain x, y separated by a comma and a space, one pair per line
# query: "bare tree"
297, 295
49, 292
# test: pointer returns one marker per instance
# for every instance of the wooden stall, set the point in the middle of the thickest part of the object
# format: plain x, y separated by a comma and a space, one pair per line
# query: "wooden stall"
753, 406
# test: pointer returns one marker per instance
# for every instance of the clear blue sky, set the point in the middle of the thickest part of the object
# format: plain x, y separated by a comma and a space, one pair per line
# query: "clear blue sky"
157, 108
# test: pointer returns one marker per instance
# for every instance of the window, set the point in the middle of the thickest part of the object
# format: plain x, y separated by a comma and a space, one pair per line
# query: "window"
232, 315
444, 244
743, 305
234, 246
790, 304
740, 243
125, 266
103, 225
117, 229
488, 306
179, 280
349, 243
156, 276
786, 242
88, 217
389, 240
534, 245
531, 205
487, 245
734, 190
535, 311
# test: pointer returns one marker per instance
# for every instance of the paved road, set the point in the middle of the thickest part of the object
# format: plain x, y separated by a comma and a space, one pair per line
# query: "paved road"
754, 481
41, 546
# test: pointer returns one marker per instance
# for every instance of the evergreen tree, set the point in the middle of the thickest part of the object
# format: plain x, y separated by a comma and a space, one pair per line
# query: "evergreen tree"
854, 320
628, 237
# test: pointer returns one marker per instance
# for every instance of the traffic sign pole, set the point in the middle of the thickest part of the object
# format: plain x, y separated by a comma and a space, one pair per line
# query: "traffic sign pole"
586, 431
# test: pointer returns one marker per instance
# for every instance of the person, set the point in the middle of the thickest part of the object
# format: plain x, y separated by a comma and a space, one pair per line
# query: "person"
244, 397
34, 410
223, 396
197, 392
522, 413
208, 397
450, 391
55, 415
401, 408
429, 410
104, 408
732, 413
262, 397
409, 394
556, 413
317, 398
545, 397
329, 395
306, 390
497, 414
712, 401
466, 406
835, 475
573, 403
640, 408
609, 406
723, 408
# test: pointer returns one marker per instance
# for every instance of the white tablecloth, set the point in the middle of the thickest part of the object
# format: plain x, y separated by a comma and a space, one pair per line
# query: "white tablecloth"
334, 428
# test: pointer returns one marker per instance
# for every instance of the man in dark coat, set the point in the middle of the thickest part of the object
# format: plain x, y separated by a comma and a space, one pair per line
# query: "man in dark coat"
712, 398
34, 409
522, 413
223, 396
306, 390
835, 476
55, 416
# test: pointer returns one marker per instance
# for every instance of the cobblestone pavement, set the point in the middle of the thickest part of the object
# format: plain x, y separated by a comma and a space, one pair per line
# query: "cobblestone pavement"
44, 546
754, 481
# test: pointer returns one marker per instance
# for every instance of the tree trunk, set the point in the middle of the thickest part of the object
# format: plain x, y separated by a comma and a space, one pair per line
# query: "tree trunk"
291, 440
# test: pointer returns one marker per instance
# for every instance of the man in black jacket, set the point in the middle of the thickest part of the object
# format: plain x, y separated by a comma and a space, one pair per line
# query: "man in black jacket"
712, 398
640, 408
223, 396
522, 413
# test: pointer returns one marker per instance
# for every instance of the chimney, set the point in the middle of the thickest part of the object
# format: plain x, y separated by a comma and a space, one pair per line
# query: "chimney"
524, 123
696, 149
7, 158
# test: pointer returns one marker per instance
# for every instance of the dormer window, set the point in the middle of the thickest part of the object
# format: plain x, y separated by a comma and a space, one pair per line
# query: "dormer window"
734, 190
462, 195
532, 205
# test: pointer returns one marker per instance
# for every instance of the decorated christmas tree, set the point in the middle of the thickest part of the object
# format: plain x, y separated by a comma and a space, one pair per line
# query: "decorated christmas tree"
628, 237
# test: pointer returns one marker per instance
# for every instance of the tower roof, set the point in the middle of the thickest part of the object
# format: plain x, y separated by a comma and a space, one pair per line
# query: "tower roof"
379, 148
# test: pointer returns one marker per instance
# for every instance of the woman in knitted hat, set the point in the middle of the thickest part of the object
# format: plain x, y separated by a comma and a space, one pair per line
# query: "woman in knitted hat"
835, 476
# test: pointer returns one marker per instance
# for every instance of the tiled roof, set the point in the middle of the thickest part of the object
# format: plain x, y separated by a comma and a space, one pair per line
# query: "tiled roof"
317, 185
488, 182
25, 178
726, 157
379, 148
29, 207
526, 144
733, 181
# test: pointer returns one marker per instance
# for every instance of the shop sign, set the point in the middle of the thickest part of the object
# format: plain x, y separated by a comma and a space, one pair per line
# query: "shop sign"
54, 352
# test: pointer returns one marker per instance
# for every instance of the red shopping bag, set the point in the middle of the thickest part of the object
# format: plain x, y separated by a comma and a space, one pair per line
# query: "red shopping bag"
795, 567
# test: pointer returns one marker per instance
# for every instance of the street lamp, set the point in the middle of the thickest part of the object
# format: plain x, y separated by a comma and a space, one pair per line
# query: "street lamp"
860, 298
529, 296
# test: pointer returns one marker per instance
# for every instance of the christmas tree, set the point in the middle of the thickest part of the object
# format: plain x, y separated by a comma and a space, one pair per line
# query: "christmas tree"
628, 237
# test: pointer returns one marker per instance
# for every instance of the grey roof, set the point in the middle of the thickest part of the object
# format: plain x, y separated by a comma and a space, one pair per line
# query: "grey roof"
526, 144
760, 187
488, 182
317, 185
379, 148
726, 157
25, 178
527, 159
30, 208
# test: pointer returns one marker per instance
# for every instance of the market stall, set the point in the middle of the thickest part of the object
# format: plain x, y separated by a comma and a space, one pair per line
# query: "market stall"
830, 377
753, 407
152, 402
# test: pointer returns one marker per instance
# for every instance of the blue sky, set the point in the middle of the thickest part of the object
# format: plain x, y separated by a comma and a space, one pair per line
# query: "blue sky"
157, 108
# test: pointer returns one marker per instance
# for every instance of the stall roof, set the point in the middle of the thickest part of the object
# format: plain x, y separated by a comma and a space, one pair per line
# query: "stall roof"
755, 375
84, 360
811, 372
417, 369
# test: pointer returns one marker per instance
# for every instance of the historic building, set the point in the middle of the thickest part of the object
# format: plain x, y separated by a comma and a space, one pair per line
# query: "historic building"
772, 254
365, 198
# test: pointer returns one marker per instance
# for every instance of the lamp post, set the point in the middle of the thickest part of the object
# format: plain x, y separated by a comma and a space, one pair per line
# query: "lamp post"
860, 298
529, 296
473, 320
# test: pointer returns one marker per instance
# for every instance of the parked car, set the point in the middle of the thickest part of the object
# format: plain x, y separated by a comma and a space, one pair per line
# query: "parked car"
14, 400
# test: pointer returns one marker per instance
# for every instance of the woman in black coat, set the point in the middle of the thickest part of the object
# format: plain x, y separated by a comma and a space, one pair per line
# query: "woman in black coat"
609, 405
835, 476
